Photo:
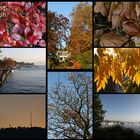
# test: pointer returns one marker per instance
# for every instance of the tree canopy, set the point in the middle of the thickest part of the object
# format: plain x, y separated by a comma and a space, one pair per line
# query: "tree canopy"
75, 36
80, 39
58, 26
70, 108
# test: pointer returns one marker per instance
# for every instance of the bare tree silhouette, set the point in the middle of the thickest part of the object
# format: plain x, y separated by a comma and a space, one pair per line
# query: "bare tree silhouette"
70, 108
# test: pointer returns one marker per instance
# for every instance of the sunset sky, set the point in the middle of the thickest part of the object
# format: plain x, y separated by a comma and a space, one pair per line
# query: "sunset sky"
35, 55
15, 110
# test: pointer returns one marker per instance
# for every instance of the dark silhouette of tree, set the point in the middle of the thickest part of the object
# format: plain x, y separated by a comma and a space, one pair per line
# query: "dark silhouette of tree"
98, 112
80, 39
70, 109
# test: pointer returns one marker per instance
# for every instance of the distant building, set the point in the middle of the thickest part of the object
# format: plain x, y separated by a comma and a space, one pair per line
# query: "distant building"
62, 55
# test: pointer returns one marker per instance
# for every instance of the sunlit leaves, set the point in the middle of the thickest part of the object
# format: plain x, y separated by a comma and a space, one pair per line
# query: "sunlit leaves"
102, 69
80, 39
136, 78
116, 72
125, 64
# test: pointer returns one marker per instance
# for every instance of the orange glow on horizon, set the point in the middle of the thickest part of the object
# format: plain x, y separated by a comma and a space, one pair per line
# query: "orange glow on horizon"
15, 110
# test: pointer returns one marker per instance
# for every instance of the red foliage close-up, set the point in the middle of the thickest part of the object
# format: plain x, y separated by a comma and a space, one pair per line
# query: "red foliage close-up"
23, 24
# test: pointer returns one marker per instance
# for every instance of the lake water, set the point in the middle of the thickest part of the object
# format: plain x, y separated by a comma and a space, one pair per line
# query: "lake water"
26, 80
135, 126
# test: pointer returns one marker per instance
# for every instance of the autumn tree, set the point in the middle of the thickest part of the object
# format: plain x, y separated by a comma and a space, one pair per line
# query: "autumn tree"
70, 108
8, 62
58, 26
80, 39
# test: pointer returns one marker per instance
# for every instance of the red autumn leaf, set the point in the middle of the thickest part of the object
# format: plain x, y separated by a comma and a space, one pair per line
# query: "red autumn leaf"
24, 24
15, 20
26, 31
16, 36
28, 6
16, 28
42, 43
37, 34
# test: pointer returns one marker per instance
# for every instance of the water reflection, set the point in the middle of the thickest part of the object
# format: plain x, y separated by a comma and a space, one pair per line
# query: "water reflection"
133, 125
26, 80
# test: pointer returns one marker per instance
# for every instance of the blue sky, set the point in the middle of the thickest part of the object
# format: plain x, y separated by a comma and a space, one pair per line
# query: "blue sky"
64, 8
35, 55
53, 78
121, 107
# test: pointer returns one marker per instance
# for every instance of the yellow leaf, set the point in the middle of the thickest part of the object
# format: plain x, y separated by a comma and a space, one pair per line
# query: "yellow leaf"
99, 87
103, 84
136, 78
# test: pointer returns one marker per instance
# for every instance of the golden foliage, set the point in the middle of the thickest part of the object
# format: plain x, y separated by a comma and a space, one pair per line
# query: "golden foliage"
102, 72
124, 62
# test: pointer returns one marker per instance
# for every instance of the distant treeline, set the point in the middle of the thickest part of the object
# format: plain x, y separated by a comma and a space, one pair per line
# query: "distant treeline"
23, 133
9, 62
24, 63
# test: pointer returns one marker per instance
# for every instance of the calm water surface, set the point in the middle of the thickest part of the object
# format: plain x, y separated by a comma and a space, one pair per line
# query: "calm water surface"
135, 126
26, 80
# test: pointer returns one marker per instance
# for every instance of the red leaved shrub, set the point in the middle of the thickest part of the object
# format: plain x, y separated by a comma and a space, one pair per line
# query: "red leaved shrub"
24, 24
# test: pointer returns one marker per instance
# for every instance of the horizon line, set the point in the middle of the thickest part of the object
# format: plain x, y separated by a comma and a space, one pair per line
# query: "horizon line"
120, 120
22, 127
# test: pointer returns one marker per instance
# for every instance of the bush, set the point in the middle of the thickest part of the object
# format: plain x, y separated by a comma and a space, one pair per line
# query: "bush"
116, 132
85, 59
24, 24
